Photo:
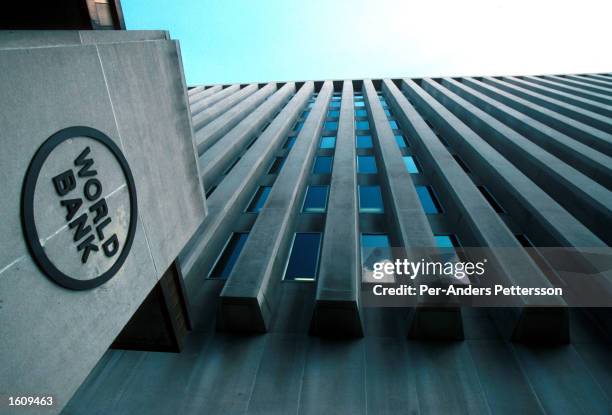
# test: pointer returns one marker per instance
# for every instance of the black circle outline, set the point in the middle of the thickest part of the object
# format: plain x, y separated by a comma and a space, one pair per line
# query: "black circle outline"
27, 207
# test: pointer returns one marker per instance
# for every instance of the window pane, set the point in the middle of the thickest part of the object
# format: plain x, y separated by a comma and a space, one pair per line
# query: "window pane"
394, 125
361, 113
298, 126
277, 165
331, 125
228, 258
359, 104
315, 200
333, 113
428, 200
400, 141
370, 199
290, 142
446, 241
411, 165
334, 104
374, 248
387, 112
259, 199
304, 257
375, 240
305, 114
364, 141
366, 164
328, 142
322, 164
362, 125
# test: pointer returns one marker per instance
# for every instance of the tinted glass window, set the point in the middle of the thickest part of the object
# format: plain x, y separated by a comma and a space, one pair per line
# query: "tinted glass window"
322, 164
366, 164
411, 165
333, 113
370, 199
394, 125
364, 141
446, 241
359, 104
277, 165
290, 142
328, 142
399, 139
331, 125
298, 126
361, 113
224, 265
304, 257
362, 125
334, 104
261, 195
315, 200
428, 200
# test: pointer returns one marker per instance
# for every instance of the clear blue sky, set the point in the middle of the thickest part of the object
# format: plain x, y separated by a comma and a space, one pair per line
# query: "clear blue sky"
231, 41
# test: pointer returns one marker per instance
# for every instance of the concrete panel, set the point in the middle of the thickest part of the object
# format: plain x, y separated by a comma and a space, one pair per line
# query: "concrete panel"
573, 90
339, 281
204, 103
17, 39
568, 80
169, 221
214, 161
101, 86
194, 98
250, 295
234, 192
541, 88
588, 201
593, 137
204, 117
212, 132
589, 161
586, 116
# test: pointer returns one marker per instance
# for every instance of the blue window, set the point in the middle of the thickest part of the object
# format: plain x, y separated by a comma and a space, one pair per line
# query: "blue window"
446, 241
328, 142
411, 165
310, 104
366, 164
298, 126
359, 104
225, 263
370, 199
333, 113
334, 104
362, 125
304, 257
387, 112
393, 125
259, 199
358, 96
336, 97
276, 165
315, 200
428, 200
401, 142
331, 125
323, 165
305, 114
290, 142
375, 240
361, 113
364, 141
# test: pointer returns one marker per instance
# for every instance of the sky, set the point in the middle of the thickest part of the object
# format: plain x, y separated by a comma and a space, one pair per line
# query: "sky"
238, 41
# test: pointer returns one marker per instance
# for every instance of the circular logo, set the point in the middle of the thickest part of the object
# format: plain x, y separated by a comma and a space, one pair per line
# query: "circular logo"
79, 208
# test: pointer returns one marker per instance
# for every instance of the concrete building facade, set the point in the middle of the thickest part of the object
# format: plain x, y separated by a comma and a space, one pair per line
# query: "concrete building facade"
302, 179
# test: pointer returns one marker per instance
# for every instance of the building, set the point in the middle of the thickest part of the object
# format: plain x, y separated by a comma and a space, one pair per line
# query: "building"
301, 178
